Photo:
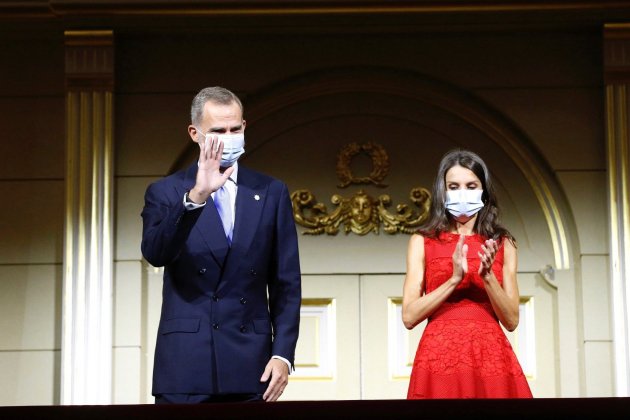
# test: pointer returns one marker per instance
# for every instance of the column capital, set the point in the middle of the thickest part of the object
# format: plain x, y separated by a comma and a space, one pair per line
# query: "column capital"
89, 59
617, 53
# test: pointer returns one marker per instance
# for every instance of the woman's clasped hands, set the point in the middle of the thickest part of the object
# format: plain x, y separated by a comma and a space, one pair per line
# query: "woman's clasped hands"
486, 257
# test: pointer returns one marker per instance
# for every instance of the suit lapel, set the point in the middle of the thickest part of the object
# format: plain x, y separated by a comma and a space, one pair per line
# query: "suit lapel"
250, 200
209, 224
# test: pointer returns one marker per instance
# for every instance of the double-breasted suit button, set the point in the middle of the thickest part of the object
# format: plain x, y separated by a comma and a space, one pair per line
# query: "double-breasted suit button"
243, 301
215, 326
243, 328
252, 272
215, 298
202, 271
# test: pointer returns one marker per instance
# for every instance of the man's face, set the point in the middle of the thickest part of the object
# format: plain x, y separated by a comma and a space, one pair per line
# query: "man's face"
219, 119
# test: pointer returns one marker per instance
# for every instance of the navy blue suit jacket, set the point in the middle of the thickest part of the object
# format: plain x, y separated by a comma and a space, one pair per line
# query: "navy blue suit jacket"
225, 310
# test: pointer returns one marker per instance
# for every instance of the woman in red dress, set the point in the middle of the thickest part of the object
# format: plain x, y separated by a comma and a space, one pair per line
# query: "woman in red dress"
461, 276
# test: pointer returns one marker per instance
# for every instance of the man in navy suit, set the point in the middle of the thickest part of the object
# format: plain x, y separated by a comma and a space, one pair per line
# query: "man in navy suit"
226, 238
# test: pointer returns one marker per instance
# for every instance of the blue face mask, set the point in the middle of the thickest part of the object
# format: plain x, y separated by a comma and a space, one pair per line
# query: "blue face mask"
233, 147
463, 202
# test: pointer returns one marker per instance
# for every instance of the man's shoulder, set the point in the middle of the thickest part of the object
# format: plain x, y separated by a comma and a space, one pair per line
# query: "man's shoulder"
259, 177
176, 178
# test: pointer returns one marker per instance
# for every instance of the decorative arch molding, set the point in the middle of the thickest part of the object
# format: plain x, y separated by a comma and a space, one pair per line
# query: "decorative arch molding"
450, 100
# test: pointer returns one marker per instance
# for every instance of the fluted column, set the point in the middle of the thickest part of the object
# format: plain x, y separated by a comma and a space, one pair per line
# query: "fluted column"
617, 80
86, 352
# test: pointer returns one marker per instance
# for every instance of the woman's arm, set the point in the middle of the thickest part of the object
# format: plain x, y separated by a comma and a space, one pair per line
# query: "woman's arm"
418, 306
505, 299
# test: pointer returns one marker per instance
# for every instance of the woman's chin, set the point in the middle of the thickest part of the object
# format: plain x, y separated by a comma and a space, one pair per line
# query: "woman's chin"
462, 220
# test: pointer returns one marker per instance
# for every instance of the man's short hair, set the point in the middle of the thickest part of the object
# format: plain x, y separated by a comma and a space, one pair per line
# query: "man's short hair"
218, 95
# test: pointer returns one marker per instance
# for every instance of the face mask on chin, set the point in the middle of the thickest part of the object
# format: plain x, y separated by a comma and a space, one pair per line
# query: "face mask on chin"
233, 147
463, 202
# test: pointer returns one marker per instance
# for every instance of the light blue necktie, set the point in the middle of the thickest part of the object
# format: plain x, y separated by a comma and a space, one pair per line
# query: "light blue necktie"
224, 207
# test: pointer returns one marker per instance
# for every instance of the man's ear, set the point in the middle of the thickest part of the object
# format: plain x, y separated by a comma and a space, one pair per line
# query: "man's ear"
193, 133
244, 124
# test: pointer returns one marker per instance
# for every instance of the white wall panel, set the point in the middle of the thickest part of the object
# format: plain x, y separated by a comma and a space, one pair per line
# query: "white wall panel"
586, 192
30, 307
31, 227
599, 377
596, 298
30, 377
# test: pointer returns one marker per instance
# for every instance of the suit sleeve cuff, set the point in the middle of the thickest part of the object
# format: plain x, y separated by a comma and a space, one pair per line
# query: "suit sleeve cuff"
190, 205
285, 361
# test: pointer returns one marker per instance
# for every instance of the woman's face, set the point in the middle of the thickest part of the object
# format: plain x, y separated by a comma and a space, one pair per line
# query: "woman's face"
460, 178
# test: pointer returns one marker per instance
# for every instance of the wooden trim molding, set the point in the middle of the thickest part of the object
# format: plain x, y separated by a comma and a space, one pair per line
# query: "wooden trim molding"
57, 8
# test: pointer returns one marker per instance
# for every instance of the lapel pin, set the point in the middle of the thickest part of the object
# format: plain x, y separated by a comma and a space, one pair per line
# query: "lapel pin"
256, 197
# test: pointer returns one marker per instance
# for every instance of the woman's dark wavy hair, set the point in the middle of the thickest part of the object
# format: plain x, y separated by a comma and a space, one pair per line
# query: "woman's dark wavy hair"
487, 223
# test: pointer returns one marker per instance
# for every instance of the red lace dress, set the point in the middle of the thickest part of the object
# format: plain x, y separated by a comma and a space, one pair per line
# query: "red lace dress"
463, 352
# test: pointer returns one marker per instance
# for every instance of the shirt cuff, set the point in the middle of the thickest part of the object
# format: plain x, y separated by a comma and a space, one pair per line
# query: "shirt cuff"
284, 360
190, 205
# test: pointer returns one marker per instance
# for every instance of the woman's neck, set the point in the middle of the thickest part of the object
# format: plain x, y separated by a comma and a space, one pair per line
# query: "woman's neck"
464, 227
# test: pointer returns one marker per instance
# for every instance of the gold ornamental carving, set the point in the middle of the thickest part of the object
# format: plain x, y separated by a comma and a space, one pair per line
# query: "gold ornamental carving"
360, 213
380, 164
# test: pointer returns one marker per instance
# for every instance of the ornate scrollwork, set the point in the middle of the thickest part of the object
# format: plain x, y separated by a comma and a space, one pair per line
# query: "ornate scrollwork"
360, 213
380, 164
405, 220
